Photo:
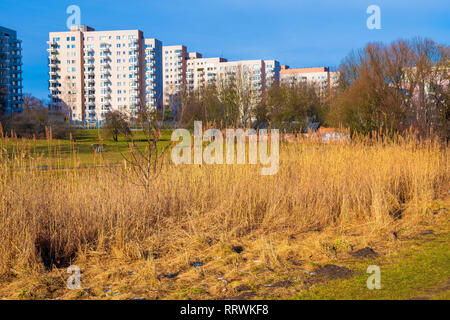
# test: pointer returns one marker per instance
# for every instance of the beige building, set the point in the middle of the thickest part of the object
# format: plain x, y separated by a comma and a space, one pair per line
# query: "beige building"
201, 71
249, 73
11, 99
153, 74
272, 71
320, 77
190, 70
174, 72
93, 72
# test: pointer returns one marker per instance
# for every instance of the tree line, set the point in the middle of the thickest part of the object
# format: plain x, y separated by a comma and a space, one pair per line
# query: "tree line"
383, 88
386, 88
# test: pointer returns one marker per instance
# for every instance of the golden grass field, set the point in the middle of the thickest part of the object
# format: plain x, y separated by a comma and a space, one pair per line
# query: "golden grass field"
325, 201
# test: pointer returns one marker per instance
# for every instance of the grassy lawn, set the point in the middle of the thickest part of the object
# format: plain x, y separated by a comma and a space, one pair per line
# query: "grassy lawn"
84, 148
224, 231
419, 271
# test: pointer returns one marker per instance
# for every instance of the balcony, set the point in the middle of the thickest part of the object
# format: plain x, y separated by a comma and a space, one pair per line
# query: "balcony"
52, 51
53, 61
18, 78
16, 63
105, 83
15, 55
89, 72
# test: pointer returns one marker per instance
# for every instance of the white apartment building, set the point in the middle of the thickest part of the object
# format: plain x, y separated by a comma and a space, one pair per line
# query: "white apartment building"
249, 74
11, 99
93, 72
174, 72
320, 77
153, 74
201, 71
272, 68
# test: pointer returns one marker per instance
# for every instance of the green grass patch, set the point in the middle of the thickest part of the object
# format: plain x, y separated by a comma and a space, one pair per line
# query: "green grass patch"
420, 271
83, 147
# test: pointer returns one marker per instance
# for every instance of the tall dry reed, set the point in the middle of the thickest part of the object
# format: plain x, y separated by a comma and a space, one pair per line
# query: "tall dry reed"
47, 217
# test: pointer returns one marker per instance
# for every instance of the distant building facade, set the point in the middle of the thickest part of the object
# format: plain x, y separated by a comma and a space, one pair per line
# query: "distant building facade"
319, 77
11, 97
272, 71
174, 72
94, 72
153, 74
201, 71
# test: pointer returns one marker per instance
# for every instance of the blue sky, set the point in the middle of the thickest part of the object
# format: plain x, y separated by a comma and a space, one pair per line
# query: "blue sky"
299, 33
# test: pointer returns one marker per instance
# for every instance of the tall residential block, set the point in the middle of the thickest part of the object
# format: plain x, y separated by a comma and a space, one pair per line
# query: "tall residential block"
320, 77
272, 68
201, 71
174, 72
153, 74
250, 74
94, 72
11, 99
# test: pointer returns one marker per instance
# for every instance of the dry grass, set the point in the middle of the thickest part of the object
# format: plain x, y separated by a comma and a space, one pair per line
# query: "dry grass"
325, 200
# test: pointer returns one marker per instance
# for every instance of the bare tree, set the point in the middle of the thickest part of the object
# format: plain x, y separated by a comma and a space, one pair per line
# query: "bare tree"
116, 123
389, 88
